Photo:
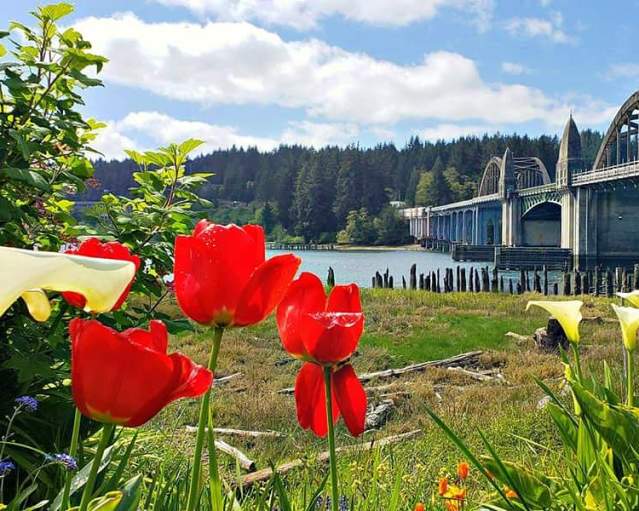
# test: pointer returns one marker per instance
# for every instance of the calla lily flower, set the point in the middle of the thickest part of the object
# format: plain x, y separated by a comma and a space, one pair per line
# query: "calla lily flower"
26, 274
632, 297
629, 321
568, 314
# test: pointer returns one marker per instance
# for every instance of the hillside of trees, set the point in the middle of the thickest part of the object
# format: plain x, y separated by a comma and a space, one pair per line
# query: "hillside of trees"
324, 195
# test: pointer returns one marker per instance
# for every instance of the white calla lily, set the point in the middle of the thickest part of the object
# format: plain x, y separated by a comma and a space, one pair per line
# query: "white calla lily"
25, 274
629, 321
632, 297
568, 313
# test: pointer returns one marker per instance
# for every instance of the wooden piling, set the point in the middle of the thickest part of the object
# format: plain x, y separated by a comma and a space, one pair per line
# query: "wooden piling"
413, 276
330, 278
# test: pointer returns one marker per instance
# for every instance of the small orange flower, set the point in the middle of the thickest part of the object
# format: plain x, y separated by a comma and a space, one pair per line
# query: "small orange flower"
511, 494
443, 486
420, 507
459, 494
462, 470
453, 505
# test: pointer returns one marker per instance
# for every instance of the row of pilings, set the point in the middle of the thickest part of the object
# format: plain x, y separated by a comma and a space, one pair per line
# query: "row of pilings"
597, 282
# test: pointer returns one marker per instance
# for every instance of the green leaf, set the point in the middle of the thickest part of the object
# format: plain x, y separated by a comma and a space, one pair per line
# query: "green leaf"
81, 167
189, 145
4, 33
27, 176
131, 493
532, 488
617, 424
54, 12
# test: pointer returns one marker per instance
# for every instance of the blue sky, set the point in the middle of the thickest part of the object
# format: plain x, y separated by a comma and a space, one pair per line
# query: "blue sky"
316, 72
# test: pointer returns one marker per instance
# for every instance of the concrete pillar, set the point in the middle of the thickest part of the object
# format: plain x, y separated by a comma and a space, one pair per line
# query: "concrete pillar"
628, 142
567, 220
618, 146
511, 222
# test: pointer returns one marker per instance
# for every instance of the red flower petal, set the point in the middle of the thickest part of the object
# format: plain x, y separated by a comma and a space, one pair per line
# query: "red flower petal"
124, 380
156, 338
219, 263
188, 288
351, 398
344, 299
310, 400
304, 295
266, 289
257, 233
331, 337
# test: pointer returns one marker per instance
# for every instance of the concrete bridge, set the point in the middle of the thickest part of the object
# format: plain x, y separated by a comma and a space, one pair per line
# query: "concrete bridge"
591, 212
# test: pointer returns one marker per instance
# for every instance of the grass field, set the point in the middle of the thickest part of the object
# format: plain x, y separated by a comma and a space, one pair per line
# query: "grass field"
401, 327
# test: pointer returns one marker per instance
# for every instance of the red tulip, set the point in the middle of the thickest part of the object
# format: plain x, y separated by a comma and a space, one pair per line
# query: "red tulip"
222, 277
93, 247
324, 332
127, 377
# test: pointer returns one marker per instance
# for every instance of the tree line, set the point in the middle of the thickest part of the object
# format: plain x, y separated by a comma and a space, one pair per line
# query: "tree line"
324, 195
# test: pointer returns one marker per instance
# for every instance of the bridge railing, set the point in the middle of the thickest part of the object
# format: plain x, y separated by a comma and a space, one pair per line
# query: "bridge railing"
620, 171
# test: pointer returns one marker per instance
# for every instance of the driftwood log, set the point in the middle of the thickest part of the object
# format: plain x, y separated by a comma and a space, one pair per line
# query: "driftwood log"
470, 358
225, 379
244, 461
483, 376
241, 432
266, 473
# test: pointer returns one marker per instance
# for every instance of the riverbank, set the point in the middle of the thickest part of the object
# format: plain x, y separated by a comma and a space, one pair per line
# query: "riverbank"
377, 248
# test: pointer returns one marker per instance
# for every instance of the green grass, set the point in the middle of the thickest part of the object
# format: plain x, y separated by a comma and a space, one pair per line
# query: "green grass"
401, 327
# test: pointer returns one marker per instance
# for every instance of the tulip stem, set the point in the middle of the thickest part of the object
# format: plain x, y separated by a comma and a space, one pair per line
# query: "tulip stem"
214, 478
73, 450
107, 431
328, 371
630, 376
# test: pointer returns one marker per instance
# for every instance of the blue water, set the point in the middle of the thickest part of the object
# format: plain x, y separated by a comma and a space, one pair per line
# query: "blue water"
359, 266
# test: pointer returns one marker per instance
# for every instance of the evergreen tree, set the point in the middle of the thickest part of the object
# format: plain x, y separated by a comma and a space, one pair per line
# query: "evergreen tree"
348, 187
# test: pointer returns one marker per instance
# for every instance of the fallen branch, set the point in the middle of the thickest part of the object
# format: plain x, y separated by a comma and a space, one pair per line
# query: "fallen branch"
225, 379
245, 462
519, 337
479, 376
240, 432
266, 473
469, 358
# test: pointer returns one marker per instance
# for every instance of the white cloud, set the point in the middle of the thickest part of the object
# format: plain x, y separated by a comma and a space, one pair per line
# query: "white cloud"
513, 68
161, 129
453, 131
239, 63
551, 29
622, 70
305, 14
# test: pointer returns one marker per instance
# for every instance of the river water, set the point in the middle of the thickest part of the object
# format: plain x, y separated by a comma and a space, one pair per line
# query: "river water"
360, 265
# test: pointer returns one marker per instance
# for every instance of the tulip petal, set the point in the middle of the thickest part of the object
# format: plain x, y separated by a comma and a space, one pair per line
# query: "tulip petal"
310, 400
257, 233
632, 297
188, 289
100, 281
211, 270
346, 299
351, 398
331, 337
568, 313
266, 289
304, 295
38, 304
629, 321
121, 378
192, 379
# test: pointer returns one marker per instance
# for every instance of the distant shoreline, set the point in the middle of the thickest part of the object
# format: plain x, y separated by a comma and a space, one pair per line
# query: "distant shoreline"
362, 248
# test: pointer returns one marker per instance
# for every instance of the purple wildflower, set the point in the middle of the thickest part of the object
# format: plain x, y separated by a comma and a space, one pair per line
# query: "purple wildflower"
6, 466
67, 461
29, 403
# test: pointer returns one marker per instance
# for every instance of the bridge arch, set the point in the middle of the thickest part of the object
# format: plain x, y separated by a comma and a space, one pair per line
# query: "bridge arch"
530, 171
541, 225
490, 179
617, 145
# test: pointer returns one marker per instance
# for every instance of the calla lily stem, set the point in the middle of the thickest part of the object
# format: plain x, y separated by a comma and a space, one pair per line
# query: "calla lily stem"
107, 431
214, 478
73, 450
331, 439
630, 376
